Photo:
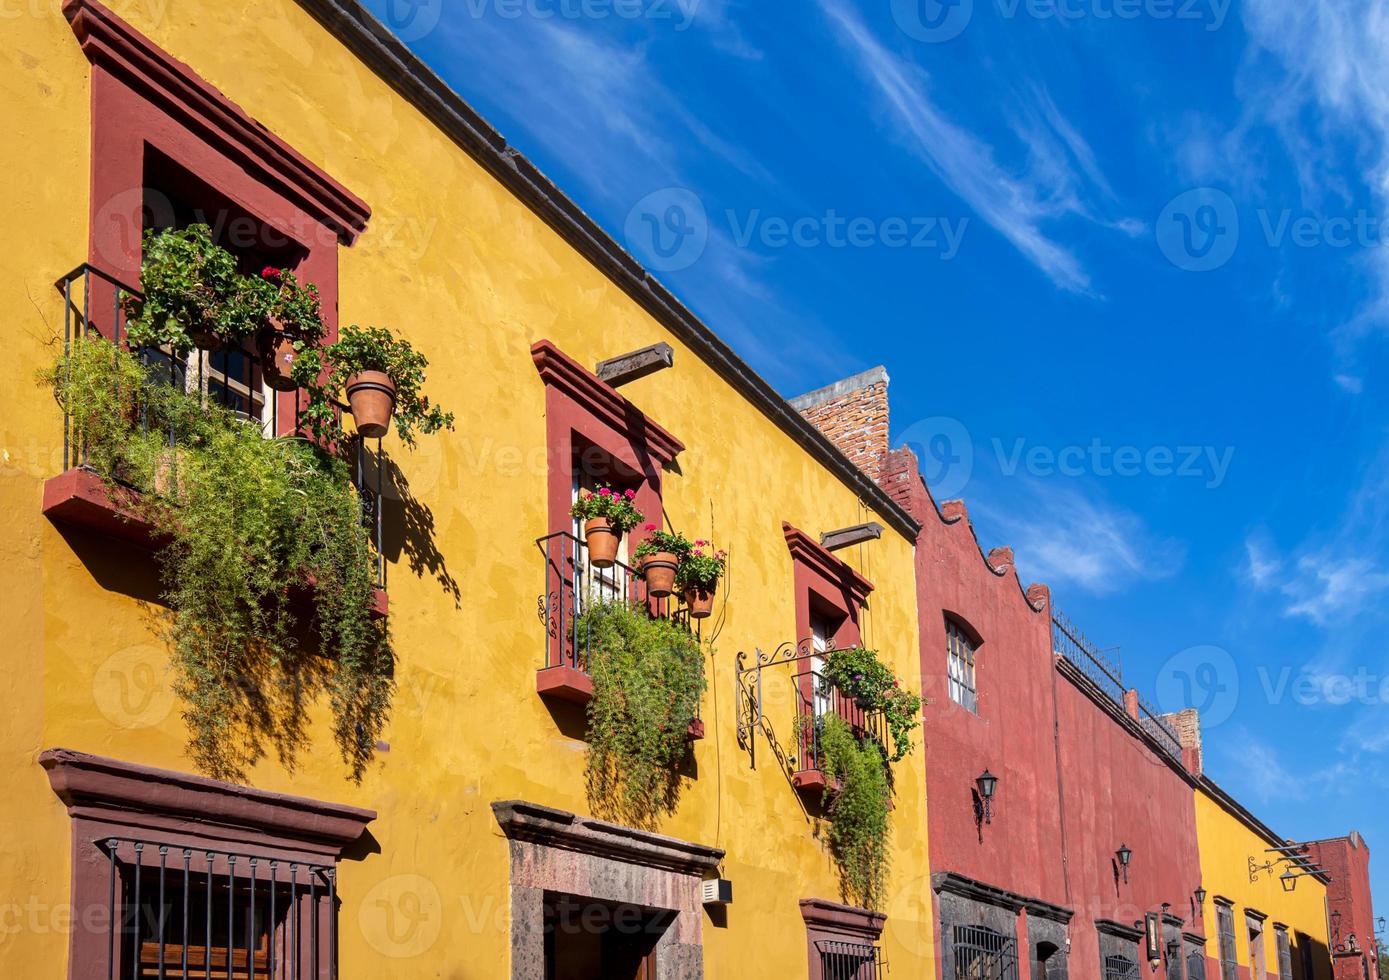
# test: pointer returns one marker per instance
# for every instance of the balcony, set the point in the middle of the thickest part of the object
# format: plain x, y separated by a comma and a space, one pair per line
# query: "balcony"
82, 497
572, 584
817, 699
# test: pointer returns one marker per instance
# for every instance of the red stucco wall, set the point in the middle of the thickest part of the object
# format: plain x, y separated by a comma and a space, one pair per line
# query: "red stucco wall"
1347, 860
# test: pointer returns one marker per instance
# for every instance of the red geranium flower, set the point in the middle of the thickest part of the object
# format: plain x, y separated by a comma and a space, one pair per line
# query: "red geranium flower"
270, 272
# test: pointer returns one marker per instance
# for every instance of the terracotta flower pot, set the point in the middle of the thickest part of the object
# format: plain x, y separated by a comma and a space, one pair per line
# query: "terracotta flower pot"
602, 542
371, 400
659, 570
277, 353
700, 600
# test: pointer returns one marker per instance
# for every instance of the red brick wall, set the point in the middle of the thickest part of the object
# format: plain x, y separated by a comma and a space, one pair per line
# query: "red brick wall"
853, 414
1347, 860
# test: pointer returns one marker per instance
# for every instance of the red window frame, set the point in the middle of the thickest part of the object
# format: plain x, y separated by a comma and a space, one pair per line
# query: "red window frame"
145, 103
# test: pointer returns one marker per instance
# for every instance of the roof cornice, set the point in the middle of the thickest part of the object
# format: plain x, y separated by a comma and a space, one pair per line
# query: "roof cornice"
397, 66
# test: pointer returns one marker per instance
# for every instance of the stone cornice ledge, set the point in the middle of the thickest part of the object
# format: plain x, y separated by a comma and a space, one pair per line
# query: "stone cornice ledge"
1111, 928
111, 787
819, 913
536, 824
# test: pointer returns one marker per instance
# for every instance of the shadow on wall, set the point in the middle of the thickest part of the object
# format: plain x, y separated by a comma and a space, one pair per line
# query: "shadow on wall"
408, 530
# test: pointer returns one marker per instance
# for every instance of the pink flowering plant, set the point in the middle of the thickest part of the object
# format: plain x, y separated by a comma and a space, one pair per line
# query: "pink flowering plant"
618, 506
658, 540
701, 567
861, 675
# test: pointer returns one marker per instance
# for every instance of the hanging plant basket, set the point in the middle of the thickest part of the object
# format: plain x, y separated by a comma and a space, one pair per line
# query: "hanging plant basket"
602, 542
659, 570
700, 600
371, 400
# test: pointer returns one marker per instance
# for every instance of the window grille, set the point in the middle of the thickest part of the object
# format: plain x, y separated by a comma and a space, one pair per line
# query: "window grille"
1120, 968
1196, 965
1225, 919
849, 961
180, 912
984, 954
1174, 961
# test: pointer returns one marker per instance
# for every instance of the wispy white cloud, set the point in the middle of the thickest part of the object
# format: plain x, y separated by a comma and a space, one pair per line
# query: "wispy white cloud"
1328, 586
1060, 171
1261, 768
1060, 536
1261, 565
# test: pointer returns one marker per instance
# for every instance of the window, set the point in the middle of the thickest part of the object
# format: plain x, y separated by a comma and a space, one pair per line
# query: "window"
586, 938
1196, 965
250, 886
1285, 954
1225, 923
849, 961
186, 910
982, 953
961, 667
1256, 947
1120, 968
1174, 960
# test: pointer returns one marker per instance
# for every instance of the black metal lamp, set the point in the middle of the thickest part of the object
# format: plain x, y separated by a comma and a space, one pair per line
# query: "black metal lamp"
1379, 924
987, 784
1288, 881
1124, 854
1201, 896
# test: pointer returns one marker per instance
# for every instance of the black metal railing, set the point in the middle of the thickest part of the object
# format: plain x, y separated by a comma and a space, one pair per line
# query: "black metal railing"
95, 307
1072, 644
183, 911
849, 961
818, 699
573, 585
981, 953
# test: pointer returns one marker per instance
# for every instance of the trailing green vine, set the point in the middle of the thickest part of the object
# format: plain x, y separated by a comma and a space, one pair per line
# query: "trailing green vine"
862, 676
254, 531
859, 830
648, 678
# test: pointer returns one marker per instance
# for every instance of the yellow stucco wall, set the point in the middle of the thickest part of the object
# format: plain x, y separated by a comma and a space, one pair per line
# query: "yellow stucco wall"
1227, 843
471, 276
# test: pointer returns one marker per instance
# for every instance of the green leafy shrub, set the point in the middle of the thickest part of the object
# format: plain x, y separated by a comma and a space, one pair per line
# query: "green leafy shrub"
648, 678
193, 295
859, 829
659, 539
248, 525
294, 307
617, 506
862, 676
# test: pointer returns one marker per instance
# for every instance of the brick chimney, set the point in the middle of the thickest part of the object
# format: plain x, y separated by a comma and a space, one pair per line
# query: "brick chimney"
1187, 725
853, 414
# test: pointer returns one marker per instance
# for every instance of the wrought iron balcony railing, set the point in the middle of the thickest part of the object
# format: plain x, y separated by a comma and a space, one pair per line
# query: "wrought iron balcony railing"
94, 307
572, 585
850, 961
818, 699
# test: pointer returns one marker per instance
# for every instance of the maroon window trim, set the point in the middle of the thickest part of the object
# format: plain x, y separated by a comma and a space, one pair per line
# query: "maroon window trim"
143, 103
583, 412
832, 922
830, 581
108, 798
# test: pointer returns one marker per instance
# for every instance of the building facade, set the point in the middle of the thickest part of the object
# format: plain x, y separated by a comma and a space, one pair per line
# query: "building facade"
307, 137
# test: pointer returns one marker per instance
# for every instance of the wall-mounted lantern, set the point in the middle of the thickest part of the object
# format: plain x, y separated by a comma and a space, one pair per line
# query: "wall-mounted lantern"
1124, 854
1289, 881
1200, 897
987, 784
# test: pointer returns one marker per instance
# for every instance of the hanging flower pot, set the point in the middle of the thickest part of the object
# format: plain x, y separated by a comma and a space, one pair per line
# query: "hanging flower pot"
277, 353
602, 541
659, 570
700, 600
371, 400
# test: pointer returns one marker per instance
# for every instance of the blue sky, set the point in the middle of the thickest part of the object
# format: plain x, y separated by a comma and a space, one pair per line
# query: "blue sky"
1124, 259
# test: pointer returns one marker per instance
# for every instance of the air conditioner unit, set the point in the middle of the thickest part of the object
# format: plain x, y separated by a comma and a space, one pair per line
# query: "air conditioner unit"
717, 891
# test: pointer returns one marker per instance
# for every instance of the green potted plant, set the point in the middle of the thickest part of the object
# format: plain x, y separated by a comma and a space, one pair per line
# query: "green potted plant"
293, 319
607, 515
698, 577
192, 295
381, 375
659, 557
